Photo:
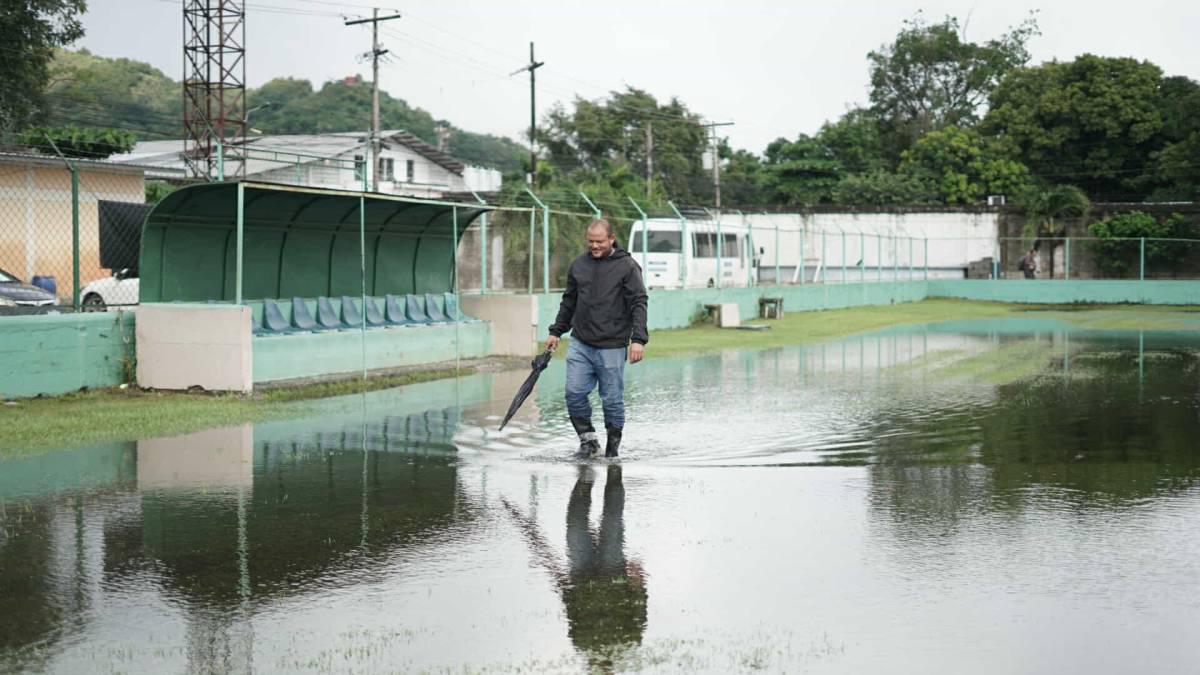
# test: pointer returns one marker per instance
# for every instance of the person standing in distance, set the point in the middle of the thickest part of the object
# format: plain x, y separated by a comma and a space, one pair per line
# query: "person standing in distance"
604, 308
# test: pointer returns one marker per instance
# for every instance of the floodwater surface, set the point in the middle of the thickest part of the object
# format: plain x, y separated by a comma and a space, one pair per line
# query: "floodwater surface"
983, 497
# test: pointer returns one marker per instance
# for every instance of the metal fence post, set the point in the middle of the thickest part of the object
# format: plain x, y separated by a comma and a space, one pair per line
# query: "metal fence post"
545, 242
778, 280
645, 232
686, 245
74, 235
1142, 261
532, 223
910, 258
824, 265
895, 258
483, 245
362, 267
720, 247
862, 258
803, 271
843, 257
595, 210
241, 227
926, 258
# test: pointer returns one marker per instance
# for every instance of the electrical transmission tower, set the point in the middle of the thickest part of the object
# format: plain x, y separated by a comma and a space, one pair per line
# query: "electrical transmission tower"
214, 87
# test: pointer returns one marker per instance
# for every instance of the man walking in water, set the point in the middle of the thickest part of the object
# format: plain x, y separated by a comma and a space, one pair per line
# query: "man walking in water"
604, 308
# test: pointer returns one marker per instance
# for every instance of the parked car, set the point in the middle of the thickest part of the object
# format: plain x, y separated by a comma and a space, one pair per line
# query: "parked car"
119, 289
22, 294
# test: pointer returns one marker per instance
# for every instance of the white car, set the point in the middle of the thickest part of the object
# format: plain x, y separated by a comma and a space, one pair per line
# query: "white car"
121, 289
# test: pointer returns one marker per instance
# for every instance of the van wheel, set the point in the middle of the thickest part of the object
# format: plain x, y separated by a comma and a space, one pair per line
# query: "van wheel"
711, 283
93, 303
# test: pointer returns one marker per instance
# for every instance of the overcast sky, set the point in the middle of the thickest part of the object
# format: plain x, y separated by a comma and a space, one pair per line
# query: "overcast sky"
773, 68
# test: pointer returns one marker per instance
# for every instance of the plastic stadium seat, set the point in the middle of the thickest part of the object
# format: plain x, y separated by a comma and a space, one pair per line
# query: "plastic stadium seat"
351, 316
374, 316
453, 312
302, 319
416, 313
394, 311
433, 311
327, 316
273, 319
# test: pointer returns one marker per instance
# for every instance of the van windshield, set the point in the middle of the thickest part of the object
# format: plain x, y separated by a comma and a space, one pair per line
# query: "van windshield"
658, 242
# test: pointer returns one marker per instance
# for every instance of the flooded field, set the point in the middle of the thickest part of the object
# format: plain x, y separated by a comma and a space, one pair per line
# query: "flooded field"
984, 497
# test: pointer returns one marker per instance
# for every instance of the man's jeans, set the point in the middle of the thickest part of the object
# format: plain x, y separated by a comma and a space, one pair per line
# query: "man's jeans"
587, 366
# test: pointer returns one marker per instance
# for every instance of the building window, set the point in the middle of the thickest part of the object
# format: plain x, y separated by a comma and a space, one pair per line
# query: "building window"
359, 167
387, 168
410, 168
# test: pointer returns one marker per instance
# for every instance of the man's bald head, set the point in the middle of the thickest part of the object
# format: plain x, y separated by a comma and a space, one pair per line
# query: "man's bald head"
600, 238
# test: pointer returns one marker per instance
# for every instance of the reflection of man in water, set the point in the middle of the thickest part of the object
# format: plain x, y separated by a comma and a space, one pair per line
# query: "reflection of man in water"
605, 597
604, 593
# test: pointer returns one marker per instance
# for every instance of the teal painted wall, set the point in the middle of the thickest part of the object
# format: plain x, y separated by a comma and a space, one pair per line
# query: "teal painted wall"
61, 353
670, 309
285, 357
1056, 291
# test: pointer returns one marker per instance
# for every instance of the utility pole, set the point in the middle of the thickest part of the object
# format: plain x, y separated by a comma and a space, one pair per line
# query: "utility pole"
376, 52
716, 160
649, 159
534, 64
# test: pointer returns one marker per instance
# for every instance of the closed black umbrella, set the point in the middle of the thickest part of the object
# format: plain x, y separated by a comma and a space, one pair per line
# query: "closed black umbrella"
538, 364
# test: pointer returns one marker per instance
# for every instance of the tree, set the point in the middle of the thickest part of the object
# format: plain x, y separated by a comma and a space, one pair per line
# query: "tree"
1093, 121
929, 77
77, 142
1178, 163
855, 141
596, 136
1045, 208
30, 30
883, 188
800, 172
1118, 246
961, 168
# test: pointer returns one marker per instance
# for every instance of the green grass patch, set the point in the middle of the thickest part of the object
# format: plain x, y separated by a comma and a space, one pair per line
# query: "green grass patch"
103, 415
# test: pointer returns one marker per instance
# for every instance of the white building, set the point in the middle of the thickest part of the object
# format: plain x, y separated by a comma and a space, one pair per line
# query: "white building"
407, 165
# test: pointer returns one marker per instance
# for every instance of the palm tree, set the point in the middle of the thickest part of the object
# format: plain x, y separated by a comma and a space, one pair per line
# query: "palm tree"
1046, 207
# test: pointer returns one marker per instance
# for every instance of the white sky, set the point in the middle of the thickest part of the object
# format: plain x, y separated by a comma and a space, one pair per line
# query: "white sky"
773, 68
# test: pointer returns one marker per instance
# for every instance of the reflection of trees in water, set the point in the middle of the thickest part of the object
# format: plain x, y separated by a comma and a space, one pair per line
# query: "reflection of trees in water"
1101, 437
603, 592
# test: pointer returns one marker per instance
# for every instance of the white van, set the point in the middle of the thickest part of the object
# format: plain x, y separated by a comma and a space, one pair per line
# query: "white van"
678, 259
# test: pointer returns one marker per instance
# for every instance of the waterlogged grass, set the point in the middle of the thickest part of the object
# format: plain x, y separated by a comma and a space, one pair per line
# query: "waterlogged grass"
108, 415
124, 414
1007, 363
804, 327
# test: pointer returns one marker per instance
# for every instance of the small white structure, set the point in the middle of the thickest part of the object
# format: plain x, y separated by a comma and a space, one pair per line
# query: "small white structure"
407, 165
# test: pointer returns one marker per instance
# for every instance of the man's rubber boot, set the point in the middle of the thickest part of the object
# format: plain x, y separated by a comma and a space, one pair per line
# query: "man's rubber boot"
589, 446
614, 441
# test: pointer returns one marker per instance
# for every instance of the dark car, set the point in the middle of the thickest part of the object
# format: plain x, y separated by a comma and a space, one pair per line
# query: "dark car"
13, 291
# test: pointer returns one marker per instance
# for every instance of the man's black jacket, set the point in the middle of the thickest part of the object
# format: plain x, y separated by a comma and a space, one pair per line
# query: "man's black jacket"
605, 301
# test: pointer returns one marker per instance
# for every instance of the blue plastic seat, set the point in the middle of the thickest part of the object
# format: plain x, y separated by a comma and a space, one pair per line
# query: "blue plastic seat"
273, 319
435, 313
351, 316
302, 318
374, 316
394, 311
416, 313
327, 316
453, 312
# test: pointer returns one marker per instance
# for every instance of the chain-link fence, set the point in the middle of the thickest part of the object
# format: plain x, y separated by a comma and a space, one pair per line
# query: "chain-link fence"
70, 233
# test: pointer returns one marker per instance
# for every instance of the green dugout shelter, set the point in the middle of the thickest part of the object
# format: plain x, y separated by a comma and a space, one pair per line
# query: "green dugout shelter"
292, 241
